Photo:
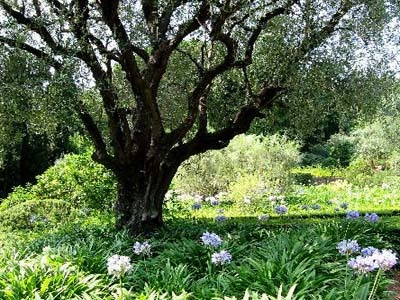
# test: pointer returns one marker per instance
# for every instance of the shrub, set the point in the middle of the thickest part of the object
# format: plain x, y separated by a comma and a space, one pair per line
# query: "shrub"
269, 158
341, 149
75, 179
35, 213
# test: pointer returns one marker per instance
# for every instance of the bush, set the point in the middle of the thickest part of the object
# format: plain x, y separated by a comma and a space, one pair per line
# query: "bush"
341, 149
377, 143
75, 179
35, 213
269, 158
336, 152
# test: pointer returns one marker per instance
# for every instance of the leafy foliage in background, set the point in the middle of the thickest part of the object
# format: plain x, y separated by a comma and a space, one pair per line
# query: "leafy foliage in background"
35, 115
268, 158
74, 183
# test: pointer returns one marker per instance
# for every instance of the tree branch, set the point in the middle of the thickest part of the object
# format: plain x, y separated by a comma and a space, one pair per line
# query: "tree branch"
28, 48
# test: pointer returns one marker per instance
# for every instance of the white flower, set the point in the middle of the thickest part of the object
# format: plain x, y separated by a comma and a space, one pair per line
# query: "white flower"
118, 265
144, 248
221, 258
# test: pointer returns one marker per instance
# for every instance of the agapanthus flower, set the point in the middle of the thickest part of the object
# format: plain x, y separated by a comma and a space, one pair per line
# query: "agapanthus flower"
379, 259
344, 205
316, 206
373, 217
281, 209
352, 215
368, 251
348, 247
212, 200
220, 218
196, 206
263, 217
118, 265
142, 248
362, 264
211, 239
385, 259
246, 200
198, 197
221, 258
305, 207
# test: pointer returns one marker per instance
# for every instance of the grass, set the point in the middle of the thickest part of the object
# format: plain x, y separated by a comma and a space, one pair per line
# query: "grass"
282, 255
266, 255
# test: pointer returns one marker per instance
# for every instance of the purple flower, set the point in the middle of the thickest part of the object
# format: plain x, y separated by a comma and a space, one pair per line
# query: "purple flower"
305, 207
352, 215
373, 217
368, 251
344, 205
211, 239
281, 209
384, 260
316, 206
263, 217
220, 218
362, 264
196, 206
348, 247
221, 258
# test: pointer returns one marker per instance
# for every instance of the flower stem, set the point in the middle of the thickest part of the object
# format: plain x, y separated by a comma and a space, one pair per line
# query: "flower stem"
375, 286
120, 287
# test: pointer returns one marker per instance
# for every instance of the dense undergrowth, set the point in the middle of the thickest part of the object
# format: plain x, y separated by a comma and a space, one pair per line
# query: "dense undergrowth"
280, 233
71, 262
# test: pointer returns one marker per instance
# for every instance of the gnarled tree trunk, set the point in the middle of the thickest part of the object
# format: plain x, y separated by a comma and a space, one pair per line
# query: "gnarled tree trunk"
141, 197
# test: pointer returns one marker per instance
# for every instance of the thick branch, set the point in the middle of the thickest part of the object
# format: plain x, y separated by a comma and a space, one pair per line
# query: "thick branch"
28, 48
221, 138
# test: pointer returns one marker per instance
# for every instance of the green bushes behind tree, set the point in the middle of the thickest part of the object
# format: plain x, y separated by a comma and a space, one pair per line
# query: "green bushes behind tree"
248, 163
75, 182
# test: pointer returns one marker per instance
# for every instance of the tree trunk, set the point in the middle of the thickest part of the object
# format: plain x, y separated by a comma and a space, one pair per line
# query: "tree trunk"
140, 199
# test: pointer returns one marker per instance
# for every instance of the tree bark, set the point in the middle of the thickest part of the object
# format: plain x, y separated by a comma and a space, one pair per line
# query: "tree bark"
141, 197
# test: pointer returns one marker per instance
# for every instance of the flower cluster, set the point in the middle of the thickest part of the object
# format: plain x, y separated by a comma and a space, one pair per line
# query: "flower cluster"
212, 200
368, 251
142, 248
221, 258
220, 218
348, 247
352, 215
316, 206
246, 200
373, 217
281, 209
305, 207
118, 265
196, 206
211, 239
378, 259
344, 205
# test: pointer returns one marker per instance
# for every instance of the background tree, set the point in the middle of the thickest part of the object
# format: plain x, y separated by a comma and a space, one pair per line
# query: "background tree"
143, 38
34, 116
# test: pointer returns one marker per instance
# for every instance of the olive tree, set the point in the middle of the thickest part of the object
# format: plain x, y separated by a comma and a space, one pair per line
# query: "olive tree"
142, 39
